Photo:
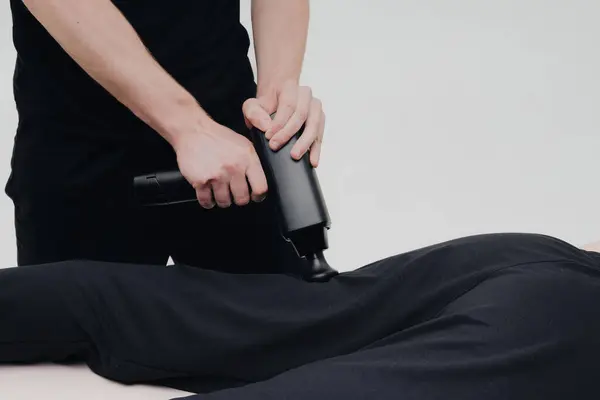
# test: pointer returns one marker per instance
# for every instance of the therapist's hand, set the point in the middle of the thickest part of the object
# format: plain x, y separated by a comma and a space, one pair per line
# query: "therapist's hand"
221, 165
294, 106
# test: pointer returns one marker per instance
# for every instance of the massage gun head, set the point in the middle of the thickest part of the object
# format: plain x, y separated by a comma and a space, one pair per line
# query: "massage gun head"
309, 243
318, 268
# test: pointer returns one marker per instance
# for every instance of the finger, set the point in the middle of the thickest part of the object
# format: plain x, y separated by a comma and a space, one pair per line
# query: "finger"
296, 121
288, 98
315, 149
311, 130
204, 196
256, 115
268, 103
257, 180
239, 189
221, 194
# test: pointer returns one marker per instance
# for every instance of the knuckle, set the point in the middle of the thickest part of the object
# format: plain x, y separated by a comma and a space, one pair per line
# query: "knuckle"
219, 176
201, 181
256, 114
248, 147
253, 111
250, 102
229, 168
235, 164
248, 154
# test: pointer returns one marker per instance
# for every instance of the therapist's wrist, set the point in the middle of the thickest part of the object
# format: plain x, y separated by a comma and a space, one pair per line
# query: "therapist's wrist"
185, 117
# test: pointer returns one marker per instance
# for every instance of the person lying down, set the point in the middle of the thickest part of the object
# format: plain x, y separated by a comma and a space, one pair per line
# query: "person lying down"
497, 316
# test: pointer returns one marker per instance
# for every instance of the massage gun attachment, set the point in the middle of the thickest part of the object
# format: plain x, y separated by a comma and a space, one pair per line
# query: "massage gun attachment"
303, 216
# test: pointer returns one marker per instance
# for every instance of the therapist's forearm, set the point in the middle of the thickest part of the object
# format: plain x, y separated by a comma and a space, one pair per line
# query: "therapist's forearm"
280, 32
100, 39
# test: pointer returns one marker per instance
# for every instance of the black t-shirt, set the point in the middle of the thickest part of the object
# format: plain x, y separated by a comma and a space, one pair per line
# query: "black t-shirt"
73, 134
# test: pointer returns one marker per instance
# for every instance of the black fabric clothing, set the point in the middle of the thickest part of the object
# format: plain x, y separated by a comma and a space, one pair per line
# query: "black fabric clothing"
239, 239
504, 316
77, 149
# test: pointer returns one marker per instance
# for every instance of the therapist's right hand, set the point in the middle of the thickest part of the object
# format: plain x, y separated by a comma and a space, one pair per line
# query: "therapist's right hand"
221, 165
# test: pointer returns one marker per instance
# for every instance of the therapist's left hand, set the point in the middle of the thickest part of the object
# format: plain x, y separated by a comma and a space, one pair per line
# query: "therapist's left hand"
294, 106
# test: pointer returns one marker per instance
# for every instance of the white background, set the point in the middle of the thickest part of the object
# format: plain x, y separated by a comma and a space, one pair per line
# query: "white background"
445, 118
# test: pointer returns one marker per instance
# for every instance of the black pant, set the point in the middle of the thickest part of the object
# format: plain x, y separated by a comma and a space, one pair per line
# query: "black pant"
238, 239
507, 316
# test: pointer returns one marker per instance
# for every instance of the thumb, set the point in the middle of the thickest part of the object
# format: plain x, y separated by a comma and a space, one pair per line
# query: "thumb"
256, 115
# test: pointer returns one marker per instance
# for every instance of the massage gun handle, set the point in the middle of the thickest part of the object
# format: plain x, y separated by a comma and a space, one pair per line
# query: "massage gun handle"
163, 188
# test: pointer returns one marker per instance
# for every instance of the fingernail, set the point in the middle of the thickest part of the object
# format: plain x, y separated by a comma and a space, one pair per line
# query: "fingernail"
274, 145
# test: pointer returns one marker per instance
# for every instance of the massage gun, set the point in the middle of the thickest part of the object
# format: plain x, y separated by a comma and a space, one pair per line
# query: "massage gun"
303, 216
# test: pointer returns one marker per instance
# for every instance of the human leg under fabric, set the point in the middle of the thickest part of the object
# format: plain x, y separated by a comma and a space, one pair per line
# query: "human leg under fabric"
235, 240
525, 333
36, 319
417, 324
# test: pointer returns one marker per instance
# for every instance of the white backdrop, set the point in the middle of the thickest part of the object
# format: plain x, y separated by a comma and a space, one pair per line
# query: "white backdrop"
444, 119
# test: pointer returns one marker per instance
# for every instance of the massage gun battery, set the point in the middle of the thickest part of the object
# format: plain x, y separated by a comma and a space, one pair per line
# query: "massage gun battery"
303, 216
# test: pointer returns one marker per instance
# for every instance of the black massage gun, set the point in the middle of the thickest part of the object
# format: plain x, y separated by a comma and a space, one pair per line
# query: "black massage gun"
303, 216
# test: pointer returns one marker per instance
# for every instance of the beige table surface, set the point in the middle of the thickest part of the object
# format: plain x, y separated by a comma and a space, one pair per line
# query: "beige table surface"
51, 382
